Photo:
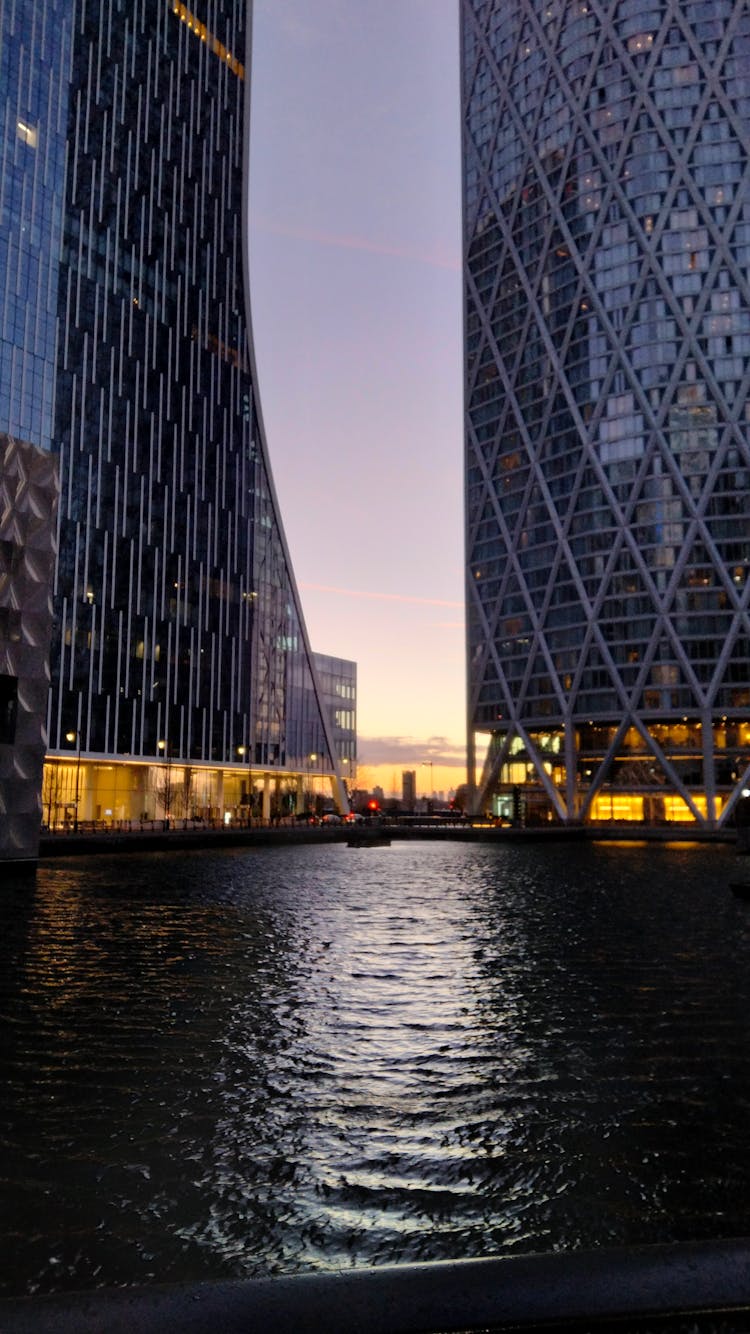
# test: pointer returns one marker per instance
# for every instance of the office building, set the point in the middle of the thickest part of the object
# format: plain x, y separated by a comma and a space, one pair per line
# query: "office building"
409, 789
607, 342
179, 646
338, 686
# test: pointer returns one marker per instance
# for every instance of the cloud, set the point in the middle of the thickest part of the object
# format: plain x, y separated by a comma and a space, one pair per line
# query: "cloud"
437, 259
385, 597
409, 752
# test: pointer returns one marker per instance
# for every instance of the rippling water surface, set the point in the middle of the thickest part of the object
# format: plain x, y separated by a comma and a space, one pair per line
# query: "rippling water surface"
235, 1063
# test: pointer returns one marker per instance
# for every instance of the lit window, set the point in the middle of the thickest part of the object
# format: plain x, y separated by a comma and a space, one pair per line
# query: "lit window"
200, 30
29, 134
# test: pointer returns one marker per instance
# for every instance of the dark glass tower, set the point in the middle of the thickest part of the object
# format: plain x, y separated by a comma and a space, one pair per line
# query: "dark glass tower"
179, 637
607, 328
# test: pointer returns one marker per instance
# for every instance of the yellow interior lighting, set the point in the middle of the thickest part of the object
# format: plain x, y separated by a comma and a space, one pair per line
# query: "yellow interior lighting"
620, 806
200, 30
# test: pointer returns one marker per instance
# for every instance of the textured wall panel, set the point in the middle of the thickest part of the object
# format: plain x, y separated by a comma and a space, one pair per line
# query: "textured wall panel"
28, 499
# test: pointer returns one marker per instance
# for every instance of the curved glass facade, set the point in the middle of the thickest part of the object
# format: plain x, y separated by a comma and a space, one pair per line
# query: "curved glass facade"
35, 49
607, 327
179, 635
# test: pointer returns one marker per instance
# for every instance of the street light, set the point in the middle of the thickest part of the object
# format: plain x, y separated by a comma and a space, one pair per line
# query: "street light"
163, 746
308, 795
76, 736
246, 794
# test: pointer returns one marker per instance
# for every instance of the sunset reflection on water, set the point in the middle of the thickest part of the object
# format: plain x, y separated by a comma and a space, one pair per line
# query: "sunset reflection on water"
262, 1061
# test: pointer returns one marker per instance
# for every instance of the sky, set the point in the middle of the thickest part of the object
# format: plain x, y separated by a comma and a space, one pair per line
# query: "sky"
355, 271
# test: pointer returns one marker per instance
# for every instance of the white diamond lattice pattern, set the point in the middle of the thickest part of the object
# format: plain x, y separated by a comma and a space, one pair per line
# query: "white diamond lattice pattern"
607, 328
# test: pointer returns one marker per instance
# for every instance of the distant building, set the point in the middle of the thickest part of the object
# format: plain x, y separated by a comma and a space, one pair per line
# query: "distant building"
409, 788
179, 651
607, 360
338, 685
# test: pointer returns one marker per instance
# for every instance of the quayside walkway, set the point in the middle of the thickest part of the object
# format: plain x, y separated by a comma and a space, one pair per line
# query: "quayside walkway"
153, 837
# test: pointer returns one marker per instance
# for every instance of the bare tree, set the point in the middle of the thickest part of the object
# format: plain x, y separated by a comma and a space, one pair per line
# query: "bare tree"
53, 787
186, 792
166, 790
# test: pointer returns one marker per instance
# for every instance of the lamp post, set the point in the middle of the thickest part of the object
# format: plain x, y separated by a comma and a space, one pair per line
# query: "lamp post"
76, 736
163, 746
425, 763
244, 806
311, 788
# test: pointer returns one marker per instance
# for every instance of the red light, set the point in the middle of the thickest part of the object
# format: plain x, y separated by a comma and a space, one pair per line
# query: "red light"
372, 805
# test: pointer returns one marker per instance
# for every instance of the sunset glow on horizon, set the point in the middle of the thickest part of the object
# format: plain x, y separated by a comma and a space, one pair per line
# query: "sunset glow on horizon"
357, 320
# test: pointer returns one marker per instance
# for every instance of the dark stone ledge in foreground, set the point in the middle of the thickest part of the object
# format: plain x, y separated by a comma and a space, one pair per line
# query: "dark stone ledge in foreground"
624, 1289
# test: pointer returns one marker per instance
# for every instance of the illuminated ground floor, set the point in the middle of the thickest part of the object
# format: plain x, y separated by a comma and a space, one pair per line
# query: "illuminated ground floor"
683, 771
106, 793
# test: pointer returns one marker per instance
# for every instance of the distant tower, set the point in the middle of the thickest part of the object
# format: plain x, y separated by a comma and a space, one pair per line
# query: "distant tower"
127, 352
409, 788
607, 328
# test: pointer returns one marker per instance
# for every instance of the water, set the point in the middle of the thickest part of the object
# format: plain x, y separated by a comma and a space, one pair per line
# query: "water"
251, 1062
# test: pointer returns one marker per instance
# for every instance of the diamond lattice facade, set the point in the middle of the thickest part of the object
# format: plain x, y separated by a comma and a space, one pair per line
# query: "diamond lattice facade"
607, 328
180, 660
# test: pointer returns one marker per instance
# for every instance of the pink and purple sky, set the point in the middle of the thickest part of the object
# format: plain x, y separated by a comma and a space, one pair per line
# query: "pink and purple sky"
356, 291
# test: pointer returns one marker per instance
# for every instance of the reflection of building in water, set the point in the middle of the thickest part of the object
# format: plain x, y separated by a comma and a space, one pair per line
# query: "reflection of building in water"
181, 667
607, 244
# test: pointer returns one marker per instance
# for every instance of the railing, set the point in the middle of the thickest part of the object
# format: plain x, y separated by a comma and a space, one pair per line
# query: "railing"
177, 824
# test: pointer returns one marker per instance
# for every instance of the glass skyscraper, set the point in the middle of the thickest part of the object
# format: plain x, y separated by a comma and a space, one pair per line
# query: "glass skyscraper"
607, 366
125, 349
